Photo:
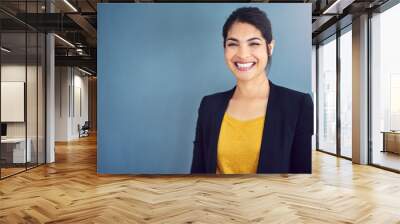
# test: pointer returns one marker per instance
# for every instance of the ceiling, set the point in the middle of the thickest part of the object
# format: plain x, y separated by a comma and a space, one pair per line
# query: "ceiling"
76, 22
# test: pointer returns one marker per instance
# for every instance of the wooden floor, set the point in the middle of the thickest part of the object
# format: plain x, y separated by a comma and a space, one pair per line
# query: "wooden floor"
70, 191
5, 172
9, 171
387, 159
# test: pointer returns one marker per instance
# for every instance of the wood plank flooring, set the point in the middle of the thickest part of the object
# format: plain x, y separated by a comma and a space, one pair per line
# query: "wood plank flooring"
70, 191
388, 159
10, 171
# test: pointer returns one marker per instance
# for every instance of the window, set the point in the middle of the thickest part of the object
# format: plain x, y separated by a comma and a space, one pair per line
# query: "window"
385, 88
346, 92
327, 95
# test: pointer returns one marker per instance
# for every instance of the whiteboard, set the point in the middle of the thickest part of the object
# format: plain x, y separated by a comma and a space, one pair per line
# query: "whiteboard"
12, 101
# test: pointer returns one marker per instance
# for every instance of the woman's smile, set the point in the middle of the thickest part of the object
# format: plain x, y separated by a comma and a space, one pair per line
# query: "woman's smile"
244, 66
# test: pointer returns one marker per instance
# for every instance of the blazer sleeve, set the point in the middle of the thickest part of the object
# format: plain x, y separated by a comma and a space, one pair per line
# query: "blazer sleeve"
300, 159
198, 162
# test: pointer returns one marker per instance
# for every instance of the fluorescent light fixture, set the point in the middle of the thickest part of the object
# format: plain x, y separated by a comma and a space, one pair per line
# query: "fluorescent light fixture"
80, 51
84, 71
331, 7
5, 49
338, 6
70, 5
65, 41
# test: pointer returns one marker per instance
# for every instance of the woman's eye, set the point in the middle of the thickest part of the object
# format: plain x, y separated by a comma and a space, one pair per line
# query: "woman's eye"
231, 44
254, 44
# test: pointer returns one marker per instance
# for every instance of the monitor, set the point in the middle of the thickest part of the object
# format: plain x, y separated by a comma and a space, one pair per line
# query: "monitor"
3, 129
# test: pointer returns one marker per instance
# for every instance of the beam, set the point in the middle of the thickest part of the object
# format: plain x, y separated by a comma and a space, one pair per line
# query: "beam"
83, 61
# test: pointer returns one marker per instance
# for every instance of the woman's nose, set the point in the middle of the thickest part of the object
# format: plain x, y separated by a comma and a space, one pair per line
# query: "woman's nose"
243, 52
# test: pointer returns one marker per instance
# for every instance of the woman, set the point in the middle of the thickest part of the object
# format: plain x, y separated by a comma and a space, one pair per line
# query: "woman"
256, 127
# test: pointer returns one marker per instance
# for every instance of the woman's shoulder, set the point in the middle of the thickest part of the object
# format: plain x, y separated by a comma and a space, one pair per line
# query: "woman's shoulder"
292, 99
295, 106
292, 94
217, 98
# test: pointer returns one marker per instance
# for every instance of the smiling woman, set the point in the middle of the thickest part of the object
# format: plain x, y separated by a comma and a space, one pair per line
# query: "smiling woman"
257, 126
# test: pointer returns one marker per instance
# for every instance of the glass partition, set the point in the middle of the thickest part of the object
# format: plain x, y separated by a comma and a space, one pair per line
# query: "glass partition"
14, 153
31, 100
346, 92
385, 89
41, 87
22, 77
327, 95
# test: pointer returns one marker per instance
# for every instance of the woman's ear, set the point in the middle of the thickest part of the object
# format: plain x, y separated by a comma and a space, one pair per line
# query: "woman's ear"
271, 47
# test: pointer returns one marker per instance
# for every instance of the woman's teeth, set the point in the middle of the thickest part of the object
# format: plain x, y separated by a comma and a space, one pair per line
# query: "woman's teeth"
244, 66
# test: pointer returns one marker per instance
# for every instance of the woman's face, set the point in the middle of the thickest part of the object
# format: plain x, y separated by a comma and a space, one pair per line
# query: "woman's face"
246, 51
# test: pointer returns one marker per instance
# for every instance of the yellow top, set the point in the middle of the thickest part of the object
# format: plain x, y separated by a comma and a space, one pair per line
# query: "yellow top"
239, 145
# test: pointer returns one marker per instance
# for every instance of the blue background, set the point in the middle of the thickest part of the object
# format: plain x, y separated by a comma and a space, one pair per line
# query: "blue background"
156, 62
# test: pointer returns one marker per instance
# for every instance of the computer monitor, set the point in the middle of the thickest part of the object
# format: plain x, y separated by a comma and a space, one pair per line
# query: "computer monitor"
3, 129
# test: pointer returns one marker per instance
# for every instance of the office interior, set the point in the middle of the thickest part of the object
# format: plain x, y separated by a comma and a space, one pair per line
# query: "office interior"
48, 81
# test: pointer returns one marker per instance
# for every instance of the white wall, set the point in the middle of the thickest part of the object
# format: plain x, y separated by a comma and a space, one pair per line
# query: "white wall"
80, 110
70, 84
16, 72
62, 81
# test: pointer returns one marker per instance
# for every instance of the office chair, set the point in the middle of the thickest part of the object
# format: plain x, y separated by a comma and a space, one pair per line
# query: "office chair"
84, 130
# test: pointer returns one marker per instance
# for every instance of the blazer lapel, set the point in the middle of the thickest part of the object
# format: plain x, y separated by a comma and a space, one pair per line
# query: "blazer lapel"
270, 159
219, 115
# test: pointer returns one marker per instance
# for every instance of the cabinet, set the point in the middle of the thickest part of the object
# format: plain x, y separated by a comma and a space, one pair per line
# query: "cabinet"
391, 141
13, 150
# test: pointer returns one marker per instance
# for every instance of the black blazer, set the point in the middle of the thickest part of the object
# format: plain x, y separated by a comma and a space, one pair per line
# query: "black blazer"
286, 140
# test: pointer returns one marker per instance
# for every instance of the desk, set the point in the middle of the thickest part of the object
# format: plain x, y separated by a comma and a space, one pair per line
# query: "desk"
391, 141
16, 147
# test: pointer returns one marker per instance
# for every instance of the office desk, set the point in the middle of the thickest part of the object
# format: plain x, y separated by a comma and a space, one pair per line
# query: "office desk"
15, 148
391, 141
